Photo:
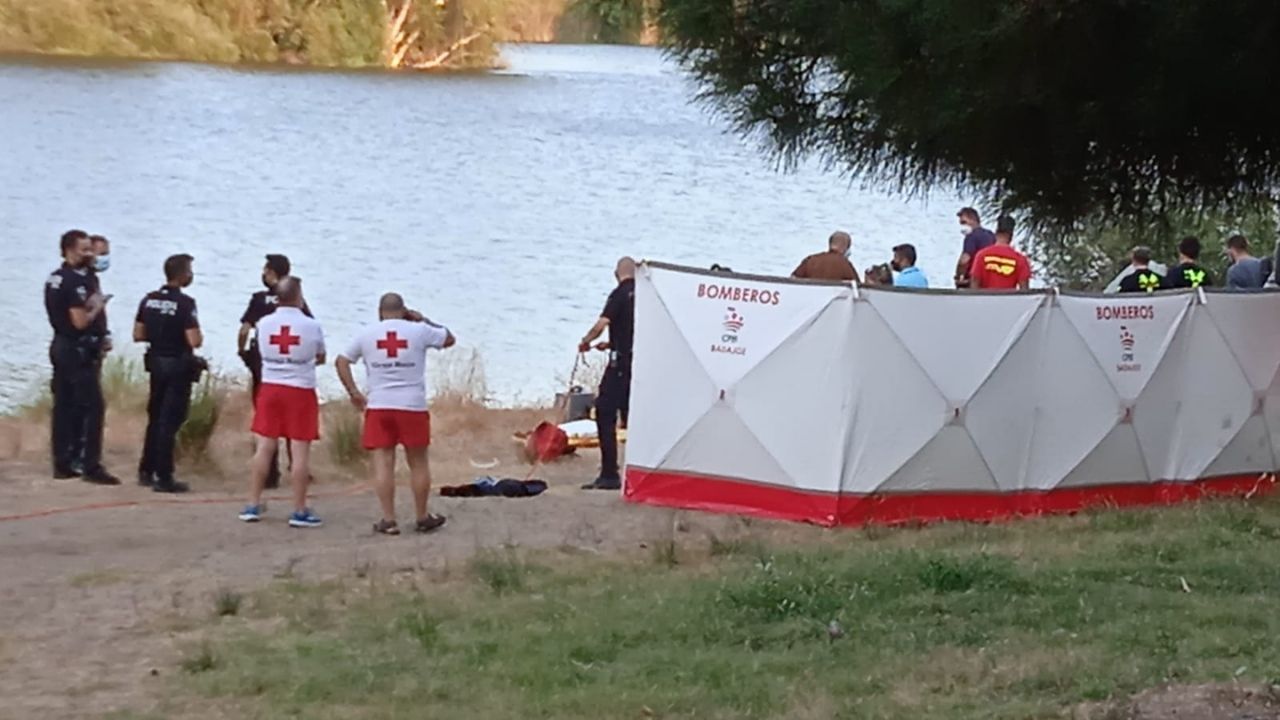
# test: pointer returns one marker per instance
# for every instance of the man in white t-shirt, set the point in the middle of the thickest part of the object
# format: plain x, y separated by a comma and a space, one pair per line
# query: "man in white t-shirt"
394, 351
292, 345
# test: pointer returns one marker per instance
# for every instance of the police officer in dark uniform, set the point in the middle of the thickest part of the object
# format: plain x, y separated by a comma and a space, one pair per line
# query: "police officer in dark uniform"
262, 304
75, 304
614, 398
167, 322
101, 263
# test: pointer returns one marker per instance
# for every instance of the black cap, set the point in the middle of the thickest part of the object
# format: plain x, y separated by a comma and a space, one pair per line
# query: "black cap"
1005, 225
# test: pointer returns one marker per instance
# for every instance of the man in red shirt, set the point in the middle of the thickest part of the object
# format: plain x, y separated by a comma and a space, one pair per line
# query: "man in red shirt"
1000, 266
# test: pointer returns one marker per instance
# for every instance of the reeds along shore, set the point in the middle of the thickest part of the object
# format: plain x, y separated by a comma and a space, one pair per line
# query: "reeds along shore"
214, 443
423, 34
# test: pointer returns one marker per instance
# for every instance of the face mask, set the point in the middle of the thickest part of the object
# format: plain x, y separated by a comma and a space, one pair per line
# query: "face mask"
846, 252
895, 266
101, 263
965, 229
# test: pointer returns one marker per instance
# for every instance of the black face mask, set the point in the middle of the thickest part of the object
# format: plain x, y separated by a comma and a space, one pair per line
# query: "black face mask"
896, 267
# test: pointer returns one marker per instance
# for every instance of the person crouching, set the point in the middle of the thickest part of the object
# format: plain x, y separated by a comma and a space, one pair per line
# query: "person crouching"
394, 351
292, 345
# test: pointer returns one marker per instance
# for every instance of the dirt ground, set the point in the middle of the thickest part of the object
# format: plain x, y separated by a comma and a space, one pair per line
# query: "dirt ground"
92, 578
99, 586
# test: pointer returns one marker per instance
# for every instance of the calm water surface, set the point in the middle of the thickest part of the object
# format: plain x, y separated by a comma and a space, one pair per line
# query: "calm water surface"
496, 203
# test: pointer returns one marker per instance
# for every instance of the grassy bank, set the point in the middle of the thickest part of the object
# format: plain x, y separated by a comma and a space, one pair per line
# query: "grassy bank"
959, 621
328, 33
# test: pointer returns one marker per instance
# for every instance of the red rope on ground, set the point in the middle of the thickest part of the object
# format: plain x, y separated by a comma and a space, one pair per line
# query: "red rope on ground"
168, 501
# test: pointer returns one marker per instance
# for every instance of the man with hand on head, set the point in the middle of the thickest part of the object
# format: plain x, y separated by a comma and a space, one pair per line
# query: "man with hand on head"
614, 398
394, 351
292, 345
76, 306
167, 322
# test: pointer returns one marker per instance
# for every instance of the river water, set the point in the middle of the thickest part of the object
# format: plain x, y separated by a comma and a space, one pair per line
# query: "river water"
497, 203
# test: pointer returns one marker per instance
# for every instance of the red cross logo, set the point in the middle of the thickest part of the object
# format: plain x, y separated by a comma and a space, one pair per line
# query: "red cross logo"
393, 344
284, 340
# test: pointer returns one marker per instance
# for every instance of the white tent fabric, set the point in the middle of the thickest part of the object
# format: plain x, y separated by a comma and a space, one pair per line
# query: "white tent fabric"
838, 404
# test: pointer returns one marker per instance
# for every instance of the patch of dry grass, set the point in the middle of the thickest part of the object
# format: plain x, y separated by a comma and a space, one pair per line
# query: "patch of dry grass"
955, 621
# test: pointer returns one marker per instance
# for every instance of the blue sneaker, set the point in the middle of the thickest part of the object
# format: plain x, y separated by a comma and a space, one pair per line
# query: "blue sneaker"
304, 519
252, 513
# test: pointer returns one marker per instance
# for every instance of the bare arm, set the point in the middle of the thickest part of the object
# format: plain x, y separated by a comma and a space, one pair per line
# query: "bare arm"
321, 358
195, 338
596, 331
242, 341
139, 332
962, 265
449, 340
349, 382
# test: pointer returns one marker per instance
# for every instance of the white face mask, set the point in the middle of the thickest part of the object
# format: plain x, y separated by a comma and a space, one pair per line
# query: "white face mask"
102, 263
965, 229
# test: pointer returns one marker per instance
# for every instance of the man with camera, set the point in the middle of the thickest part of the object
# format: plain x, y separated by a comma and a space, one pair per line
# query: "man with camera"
167, 322
76, 308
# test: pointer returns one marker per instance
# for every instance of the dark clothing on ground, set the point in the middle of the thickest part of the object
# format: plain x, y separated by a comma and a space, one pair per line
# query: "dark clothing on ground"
1187, 275
829, 265
76, 356
166, 314
489, 487
1144, 280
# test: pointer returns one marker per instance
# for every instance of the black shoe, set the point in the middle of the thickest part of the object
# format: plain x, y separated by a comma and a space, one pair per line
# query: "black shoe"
101, 477
170, 485
146, 478
604, 484
64, 474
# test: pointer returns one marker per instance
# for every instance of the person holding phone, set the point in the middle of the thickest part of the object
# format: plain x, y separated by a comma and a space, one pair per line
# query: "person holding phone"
76, 308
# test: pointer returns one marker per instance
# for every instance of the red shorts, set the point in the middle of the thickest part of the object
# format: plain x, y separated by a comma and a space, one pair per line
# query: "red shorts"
282, 411
388, 428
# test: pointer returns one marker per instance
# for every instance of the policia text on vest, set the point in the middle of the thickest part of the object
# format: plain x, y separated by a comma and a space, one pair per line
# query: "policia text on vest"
167, 321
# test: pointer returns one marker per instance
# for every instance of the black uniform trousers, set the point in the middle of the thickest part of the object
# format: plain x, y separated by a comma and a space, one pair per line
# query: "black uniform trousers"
78, 406
613, 400
253, 360
167, 409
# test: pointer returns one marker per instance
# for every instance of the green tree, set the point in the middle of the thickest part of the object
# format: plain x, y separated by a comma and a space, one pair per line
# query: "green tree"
1075, 114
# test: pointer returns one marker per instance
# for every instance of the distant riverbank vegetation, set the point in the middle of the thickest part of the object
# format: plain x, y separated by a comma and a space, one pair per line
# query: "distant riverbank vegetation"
410, 34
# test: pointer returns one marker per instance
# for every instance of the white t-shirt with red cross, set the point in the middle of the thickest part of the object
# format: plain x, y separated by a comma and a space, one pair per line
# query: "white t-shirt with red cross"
395, 358
289, 342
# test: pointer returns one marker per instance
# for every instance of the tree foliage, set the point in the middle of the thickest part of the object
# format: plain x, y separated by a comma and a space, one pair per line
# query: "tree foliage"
1068, 110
